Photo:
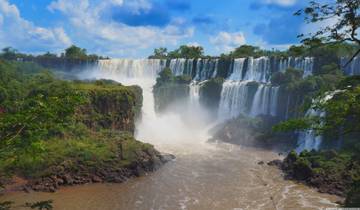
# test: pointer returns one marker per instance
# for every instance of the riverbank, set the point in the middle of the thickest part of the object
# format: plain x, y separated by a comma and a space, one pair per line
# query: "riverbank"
135, 159
332, 172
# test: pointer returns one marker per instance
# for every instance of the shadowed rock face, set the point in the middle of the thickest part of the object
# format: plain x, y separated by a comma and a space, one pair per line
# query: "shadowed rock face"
112, 108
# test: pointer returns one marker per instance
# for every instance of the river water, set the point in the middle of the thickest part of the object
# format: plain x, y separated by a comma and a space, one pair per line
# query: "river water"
203, 176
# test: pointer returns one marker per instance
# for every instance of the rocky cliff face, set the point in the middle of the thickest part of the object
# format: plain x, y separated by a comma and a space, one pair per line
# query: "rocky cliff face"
112, 107
168, 94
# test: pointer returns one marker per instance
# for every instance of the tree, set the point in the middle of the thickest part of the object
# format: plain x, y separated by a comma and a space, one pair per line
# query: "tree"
165, 76
159, 53
191, 51
246, 51
346, 15
9, 53
75, 52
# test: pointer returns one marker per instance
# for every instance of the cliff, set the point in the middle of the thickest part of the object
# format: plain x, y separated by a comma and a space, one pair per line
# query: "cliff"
110, 106
66, 133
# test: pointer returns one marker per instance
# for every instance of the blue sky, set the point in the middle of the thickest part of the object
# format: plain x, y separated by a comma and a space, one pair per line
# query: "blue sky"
133, 28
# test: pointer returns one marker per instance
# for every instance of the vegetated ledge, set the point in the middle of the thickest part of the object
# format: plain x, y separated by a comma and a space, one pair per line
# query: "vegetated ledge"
329, 171
99, 147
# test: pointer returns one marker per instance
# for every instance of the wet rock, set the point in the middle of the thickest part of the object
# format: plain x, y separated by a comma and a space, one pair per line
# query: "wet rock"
277, 163
96, 179
68, 179
167, 157
26, 189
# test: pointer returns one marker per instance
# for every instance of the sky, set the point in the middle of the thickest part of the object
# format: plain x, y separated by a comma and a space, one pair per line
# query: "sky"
133, 28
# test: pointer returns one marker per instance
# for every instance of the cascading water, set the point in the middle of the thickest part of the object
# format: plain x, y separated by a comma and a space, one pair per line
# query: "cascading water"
206, 69
353, 68
154, 128
306, 64
238, 93
309, 140
265, 101
233, 99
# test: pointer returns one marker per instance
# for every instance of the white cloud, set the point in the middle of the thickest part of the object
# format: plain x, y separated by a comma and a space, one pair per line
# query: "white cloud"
284, 3
25, 35
193, 44
226, 42
114, 38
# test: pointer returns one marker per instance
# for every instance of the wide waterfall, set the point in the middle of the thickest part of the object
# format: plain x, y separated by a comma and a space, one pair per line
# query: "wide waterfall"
247, 89
241, 95
123, 69
198, 69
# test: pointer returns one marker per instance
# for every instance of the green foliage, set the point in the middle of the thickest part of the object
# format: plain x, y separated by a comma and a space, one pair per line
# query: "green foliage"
159, 53
41, 205
165, 76
297, 51
9, 53
338, 170
42, 124
331, 68
353, 196
346, 24
287, 78
75, 52
183, 51
246, 51
183, 79
6, 205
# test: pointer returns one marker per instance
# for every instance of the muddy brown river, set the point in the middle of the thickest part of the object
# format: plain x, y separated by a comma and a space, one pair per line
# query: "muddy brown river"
203, 177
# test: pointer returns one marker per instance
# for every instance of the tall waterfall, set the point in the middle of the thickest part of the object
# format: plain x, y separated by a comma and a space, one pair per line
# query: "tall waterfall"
353, 68
308, 140
265, 101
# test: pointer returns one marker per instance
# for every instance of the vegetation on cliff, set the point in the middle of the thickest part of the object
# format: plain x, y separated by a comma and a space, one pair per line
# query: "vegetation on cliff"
170, 89
210, 93
56, 132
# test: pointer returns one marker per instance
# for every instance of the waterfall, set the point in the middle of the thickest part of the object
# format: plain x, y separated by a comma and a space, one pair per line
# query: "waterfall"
123, 69
240, 93
353, 68
308, 140
233, 100
206, 69
154, 128
305, 64
258, 69
265, 101
238, 69
194, 95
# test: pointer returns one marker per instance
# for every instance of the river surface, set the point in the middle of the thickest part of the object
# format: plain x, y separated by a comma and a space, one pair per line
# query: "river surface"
203, 176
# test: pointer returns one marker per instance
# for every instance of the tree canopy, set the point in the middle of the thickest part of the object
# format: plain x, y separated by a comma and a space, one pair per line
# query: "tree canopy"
346, 17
